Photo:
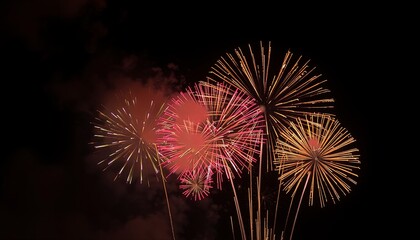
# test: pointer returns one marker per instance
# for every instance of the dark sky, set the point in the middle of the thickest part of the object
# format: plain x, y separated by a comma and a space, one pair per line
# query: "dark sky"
59, 57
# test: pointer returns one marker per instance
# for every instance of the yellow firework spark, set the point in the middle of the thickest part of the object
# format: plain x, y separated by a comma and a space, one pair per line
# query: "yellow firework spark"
125, 132
319, 151
284, 92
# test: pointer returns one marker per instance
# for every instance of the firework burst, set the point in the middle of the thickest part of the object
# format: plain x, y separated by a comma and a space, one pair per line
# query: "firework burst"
124, 131
226, 140
186, 147
320, 151
197, 184
284, 93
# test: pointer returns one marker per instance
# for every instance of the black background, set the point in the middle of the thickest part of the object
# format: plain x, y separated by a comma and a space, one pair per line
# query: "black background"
53, 54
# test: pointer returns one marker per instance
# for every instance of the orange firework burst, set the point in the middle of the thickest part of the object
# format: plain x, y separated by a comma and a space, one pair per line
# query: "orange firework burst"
284, 92
316, 152
320, 151
125, 131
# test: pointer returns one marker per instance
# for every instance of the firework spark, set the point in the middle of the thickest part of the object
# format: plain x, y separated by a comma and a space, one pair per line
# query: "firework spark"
125, 131
226, 141
292, 90
196, 184
320, 150
186, 147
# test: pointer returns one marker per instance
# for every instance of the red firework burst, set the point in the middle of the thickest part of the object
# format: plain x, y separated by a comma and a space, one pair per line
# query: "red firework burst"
227, 140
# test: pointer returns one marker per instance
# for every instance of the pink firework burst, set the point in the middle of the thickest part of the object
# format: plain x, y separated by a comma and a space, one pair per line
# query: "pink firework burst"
227, 140
196, 184
185, 147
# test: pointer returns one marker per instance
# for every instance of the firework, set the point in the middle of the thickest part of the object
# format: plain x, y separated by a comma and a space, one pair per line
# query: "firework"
187, 109
226, 140
284, 92
185, 147
124, 131
320, 151
196, 184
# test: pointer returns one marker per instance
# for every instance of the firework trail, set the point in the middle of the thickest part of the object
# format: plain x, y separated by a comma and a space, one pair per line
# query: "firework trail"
285, 91
317, 153
227, 139
124, 131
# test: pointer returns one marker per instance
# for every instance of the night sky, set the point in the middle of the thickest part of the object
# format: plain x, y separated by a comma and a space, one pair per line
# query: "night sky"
60, 57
